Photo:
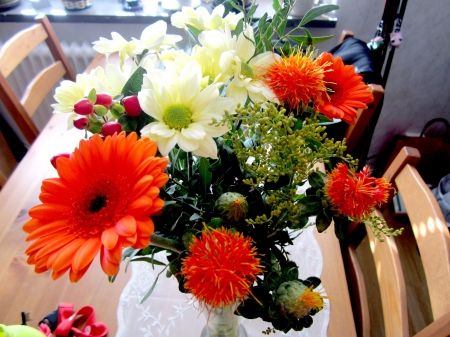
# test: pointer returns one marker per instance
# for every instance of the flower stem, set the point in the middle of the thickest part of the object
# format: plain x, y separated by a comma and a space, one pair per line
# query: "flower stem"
162, 242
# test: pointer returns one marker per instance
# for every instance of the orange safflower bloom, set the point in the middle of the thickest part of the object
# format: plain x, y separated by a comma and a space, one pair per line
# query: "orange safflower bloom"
221, 267
297, 79
101, 201
346, 90
355, 194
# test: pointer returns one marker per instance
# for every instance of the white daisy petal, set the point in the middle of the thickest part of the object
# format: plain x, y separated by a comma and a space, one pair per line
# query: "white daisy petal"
186, 144
149, 104
195, 131
161, 130
239, 94
207, 148
167, 144
189, 82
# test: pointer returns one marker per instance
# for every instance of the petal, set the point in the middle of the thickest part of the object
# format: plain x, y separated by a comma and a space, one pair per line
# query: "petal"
194, 131
187, 144
189, 81
239, 94
150, 104
161, 130
138, 207
126, 226
110, 238
207, 148
86, 253
64, 257
167, 144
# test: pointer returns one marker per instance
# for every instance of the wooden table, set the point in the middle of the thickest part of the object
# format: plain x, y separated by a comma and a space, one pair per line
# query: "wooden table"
21, 289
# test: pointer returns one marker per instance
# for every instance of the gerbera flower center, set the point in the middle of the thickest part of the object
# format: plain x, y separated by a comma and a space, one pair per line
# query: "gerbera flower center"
246, 70
99, 206
177, 116
97, 203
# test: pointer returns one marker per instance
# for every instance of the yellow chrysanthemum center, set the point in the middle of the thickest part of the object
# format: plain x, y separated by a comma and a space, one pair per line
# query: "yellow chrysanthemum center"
99, 207
177, 116
311, 299
246, 70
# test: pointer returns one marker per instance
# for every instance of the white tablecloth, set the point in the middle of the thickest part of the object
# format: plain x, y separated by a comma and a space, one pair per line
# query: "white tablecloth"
169, 313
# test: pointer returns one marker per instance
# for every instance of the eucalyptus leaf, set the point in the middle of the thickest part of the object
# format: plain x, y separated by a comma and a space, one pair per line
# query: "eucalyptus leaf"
149, 260
316, 12
317, 179
128, 123
322, 222
150, 291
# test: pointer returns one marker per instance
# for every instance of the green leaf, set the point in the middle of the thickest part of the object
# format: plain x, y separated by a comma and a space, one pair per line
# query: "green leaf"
301, 223
322, 222
152, 287
195, 216
134, 83
316, 179
341, 226
281, 27
129, 124
312, 205
239, 27
316, 12
92, 96
252, 10
216, 223
312, 281
205, 175
305, 40
194, 30
192, 39
272, 281
276, 5
149, 260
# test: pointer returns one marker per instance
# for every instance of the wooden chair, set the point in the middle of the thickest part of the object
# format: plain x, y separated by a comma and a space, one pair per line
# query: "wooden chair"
13, 52
430, 241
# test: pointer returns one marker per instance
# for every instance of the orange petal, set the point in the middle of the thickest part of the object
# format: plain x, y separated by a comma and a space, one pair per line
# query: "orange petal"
126, 226
129, 240
145, 226
158, 204
75, 276
108, 267
109, 238
152, 192
113, 255
141, 186
86, 253
49, 211
140, 206
48, 229
57, 274
52, 245
161, 180
64, 257
31, 225
142, 242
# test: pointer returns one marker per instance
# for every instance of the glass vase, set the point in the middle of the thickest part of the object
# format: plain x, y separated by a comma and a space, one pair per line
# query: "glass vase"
222, 322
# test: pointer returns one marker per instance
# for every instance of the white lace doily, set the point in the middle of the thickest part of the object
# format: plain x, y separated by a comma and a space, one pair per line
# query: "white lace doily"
169, 313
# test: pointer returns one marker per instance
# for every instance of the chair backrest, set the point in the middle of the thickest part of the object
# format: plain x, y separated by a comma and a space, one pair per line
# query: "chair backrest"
433, 242
12, 53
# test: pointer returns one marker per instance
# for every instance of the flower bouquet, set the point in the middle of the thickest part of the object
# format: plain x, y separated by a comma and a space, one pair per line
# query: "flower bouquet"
203, 153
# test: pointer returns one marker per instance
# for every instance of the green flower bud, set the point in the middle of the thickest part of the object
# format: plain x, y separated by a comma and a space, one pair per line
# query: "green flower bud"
117, 110
100, 110
295, 299
233, 205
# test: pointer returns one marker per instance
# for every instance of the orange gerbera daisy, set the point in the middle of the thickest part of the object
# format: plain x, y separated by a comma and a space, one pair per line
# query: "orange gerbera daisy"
221, 267
346, 90
101, 201
355, 194
297, 79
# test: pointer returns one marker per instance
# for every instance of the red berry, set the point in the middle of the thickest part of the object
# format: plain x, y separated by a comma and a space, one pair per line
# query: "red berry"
83, 107
62, 155
81, 122
109, 128
104, 99
132, 106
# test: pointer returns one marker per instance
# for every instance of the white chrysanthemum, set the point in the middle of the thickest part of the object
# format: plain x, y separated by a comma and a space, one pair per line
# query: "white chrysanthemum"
183, 111
69, 92
152, 39
202, 20
239, 61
